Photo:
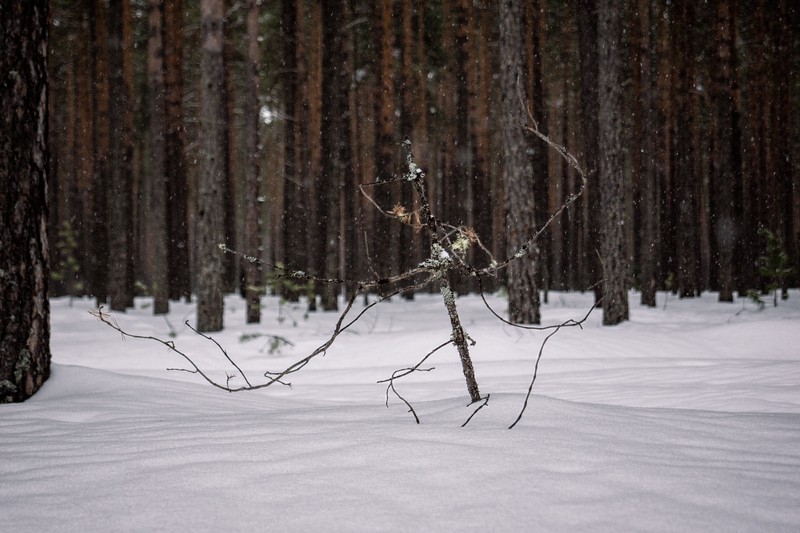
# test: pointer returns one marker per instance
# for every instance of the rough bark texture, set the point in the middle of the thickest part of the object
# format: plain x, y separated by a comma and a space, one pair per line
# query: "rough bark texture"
252, 197
24, 268
211, 178
158, 192
611, 176
523, 294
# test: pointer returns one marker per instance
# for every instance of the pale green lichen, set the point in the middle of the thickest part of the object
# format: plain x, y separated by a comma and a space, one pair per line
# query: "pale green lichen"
23, 366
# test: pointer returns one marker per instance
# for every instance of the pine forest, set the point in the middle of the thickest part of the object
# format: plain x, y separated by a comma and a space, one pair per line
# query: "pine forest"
280, 129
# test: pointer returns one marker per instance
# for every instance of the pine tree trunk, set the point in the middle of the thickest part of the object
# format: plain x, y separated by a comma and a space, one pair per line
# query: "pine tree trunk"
24, 267
587, 50
98, 282
727, 179
252, 196
611, 175
157, 219
523, 293
293, 243
686, 240
650, 202
381, 256
175, 158
211, 178
120, 160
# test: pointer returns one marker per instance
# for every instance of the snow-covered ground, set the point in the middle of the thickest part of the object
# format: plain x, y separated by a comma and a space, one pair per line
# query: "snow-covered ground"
686, 418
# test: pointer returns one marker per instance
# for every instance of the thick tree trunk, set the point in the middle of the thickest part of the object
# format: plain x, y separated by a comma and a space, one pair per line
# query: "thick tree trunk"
24, 267
211, 179
523, 293
611, 176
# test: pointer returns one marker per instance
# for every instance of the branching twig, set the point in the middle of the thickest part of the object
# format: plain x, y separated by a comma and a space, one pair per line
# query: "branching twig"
558, 327
475, 412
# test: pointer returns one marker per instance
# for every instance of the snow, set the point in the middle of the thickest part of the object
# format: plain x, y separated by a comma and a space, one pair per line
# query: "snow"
686, 418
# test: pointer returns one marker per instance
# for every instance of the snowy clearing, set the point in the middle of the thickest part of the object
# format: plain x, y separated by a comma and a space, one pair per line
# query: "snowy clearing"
686, 418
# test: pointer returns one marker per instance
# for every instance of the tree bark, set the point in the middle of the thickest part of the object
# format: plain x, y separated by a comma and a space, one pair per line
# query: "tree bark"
252, 197
588, 59
611, 176
523, 293
175, 158
157, 218
211, 179
120, 278
686, 234
24, 267
727, 180
650, 189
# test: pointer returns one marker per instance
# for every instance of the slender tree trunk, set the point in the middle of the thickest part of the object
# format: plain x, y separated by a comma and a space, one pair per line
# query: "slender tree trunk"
534, 30
686, 201
175, 158
99, 278
252, 196
157, 219
523, 293
727, 168
384, 139
336, 149
293, 215
211, 179
588, 54
24, 267
120, 161
650, 190
611, 176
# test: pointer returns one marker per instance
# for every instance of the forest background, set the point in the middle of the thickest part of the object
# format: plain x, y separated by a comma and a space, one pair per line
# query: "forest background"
316, 97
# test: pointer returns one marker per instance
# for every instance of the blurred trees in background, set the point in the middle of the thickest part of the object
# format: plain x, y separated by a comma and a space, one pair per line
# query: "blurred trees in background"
704, 150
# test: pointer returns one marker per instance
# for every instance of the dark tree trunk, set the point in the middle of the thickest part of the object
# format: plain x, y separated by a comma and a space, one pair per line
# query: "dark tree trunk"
98, 282
382, 256
24, 267
588, 59
175, 158
726, 188
292, 236
611, 175
523, 293
650, 191
534, 29
336, 151
211, 179
252, 196
686, 234
120, 242
157, 219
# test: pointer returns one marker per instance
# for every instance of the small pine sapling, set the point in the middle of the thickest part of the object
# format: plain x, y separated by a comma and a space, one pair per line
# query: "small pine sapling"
774, 266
